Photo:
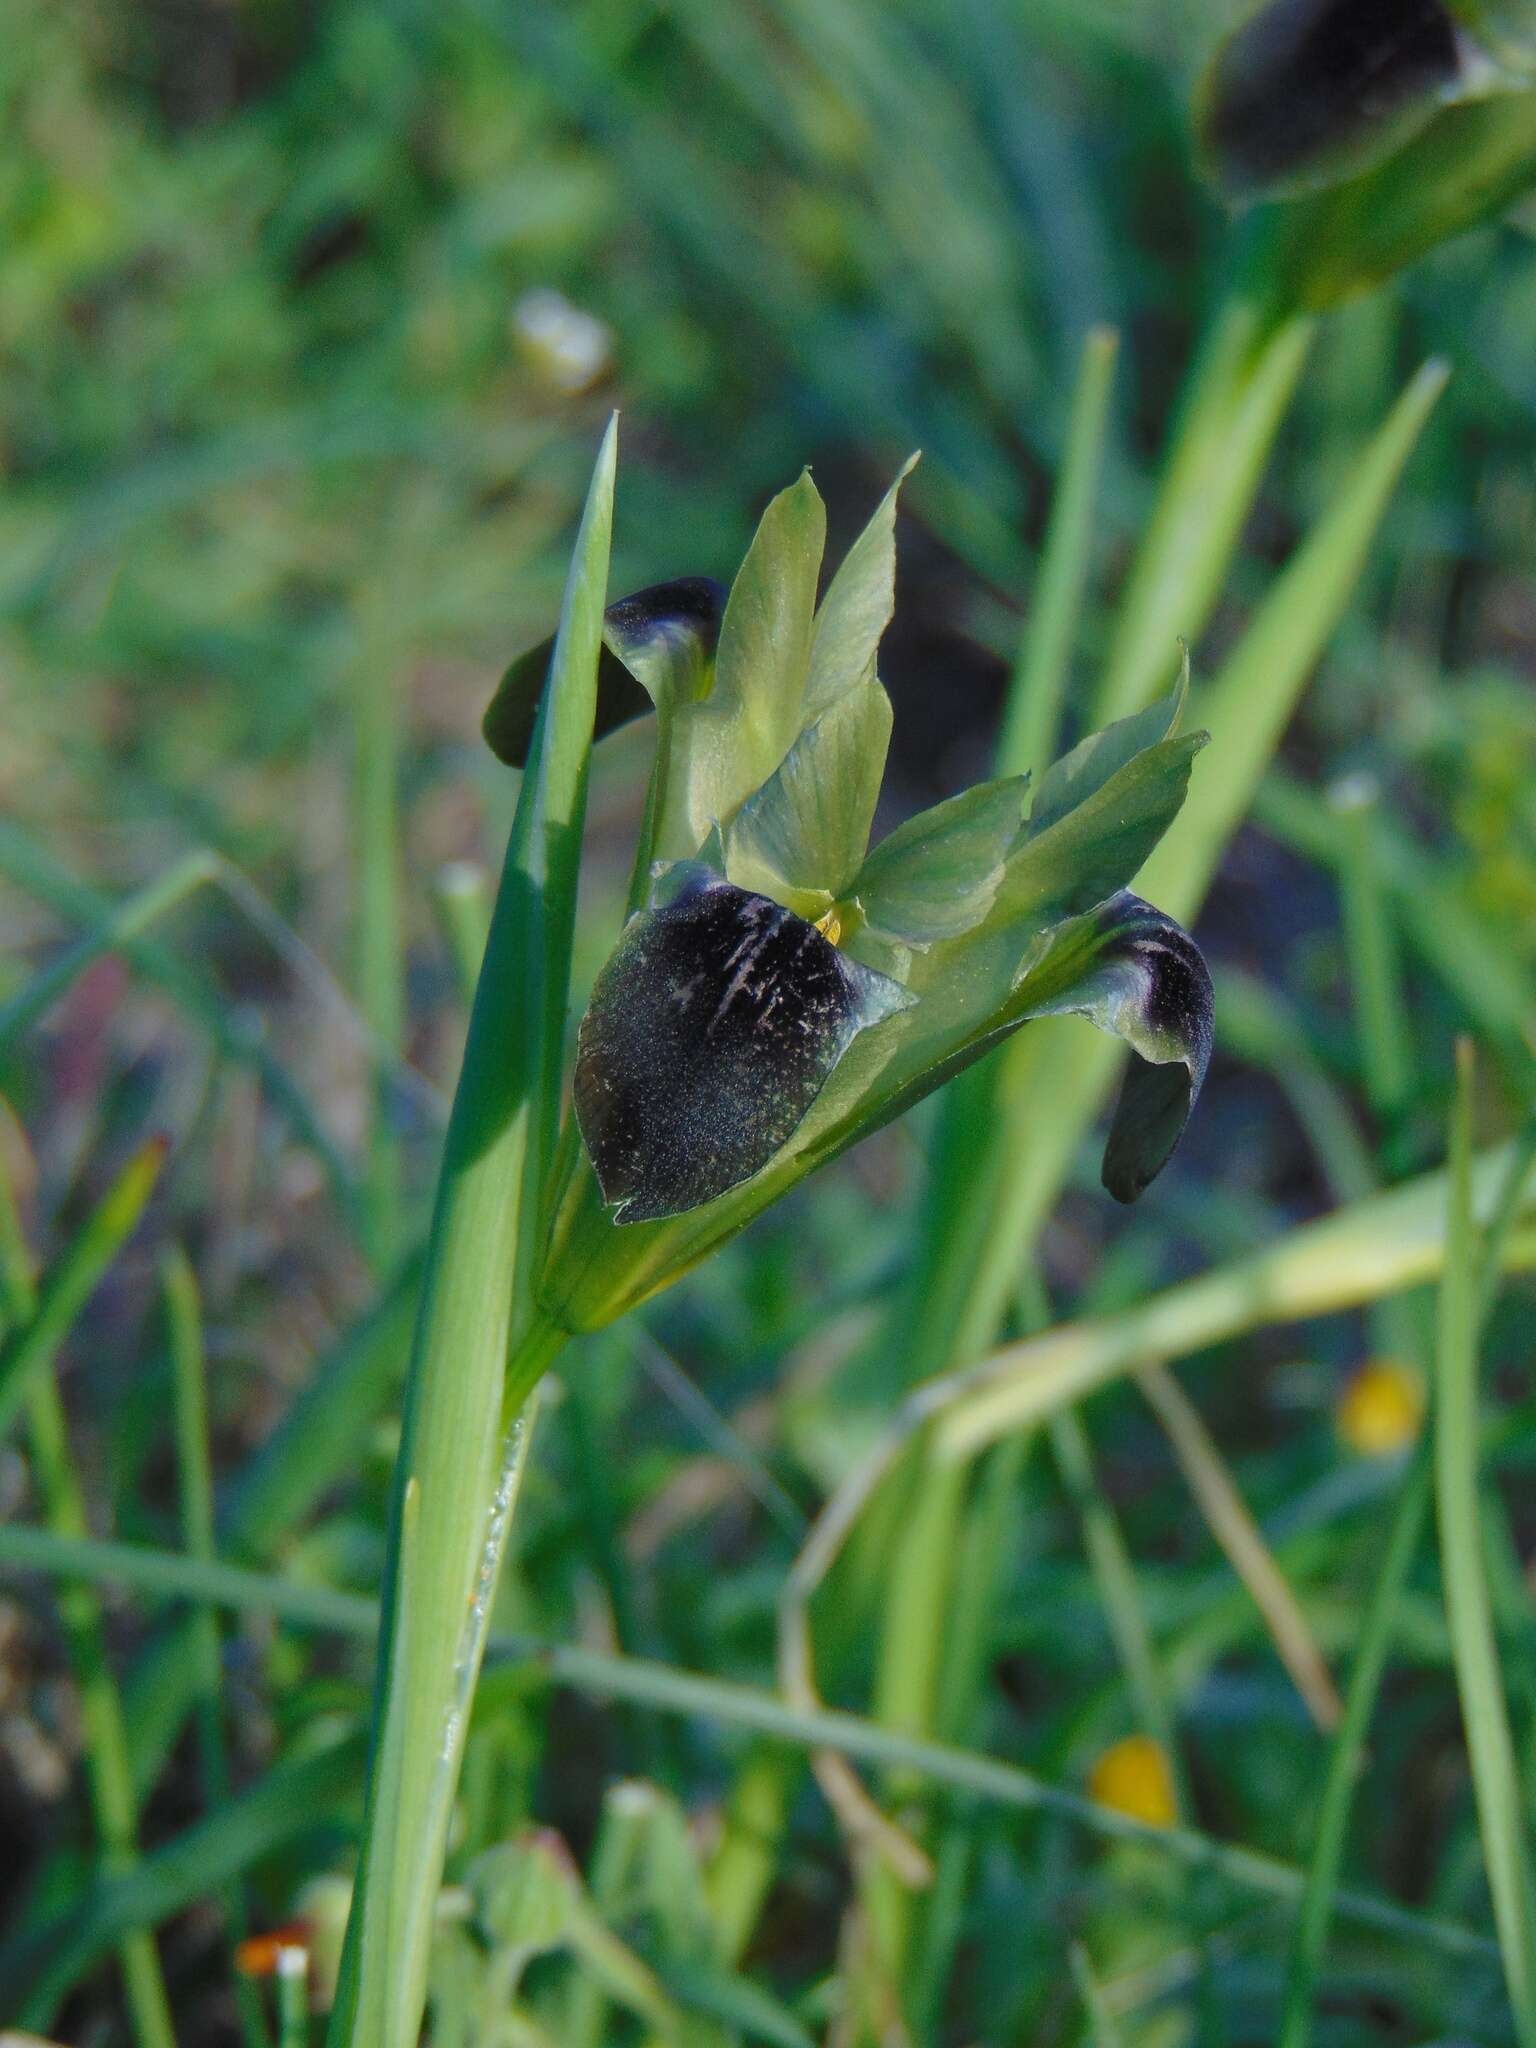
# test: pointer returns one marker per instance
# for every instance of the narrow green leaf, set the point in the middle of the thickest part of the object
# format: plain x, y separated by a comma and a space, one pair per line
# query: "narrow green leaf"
1247, 706
1027, 743
73, 1278
1496, 1780
474, 1310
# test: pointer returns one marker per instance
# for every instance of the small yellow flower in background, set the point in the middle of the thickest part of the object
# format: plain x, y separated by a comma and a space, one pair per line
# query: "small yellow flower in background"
1380, 1412
1132, 1777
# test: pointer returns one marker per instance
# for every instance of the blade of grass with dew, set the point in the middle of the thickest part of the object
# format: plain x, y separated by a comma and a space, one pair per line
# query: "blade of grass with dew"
1496, 1782
114, 1805
194, 1480
479, 1346
290, 1797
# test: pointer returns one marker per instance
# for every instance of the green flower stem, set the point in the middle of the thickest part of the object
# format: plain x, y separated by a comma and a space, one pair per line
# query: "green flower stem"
479, 1345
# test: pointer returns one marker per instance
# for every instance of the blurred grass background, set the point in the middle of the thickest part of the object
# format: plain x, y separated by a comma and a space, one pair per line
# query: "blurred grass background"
288, 466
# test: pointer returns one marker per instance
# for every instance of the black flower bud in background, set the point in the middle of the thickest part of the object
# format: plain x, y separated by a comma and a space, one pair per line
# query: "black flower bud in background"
1304, 93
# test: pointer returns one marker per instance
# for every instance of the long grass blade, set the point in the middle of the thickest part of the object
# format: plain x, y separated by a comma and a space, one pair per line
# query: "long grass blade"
1485, 1716
73, 1278
1032, 723
1376, 1247
665, 1689
108, 1774
194, 1478
475, 1311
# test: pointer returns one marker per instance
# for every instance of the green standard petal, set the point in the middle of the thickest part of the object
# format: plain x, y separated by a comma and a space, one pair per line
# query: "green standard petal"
724, 747
659, 642
857, 608
712, 1029
936, 875
807, 827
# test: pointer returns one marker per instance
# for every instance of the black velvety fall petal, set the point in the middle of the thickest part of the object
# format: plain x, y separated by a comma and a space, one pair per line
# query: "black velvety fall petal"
667, 623
1303, 83
713, 1027
1166, 1009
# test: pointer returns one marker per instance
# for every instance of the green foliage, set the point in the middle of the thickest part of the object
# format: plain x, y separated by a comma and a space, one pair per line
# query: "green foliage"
294, 442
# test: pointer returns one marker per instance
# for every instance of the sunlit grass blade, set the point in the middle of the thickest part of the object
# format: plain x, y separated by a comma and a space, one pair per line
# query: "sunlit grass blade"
1238, 394
1376, 1247
1032, 726
475, 1314
1501, 1807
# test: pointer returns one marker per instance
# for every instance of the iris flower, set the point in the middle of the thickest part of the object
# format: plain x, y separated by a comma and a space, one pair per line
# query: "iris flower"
780, 987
